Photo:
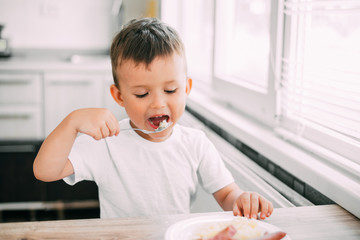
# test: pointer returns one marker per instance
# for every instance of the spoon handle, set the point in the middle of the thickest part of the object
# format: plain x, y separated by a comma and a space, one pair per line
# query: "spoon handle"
147, 131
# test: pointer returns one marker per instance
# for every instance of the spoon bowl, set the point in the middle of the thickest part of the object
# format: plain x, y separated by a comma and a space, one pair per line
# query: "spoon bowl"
161, 128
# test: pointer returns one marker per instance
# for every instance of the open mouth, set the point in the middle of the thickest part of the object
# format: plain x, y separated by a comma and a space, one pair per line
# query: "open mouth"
155, 121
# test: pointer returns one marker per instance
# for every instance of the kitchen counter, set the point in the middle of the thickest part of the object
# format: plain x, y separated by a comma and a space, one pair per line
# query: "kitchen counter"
51, 63
327, 222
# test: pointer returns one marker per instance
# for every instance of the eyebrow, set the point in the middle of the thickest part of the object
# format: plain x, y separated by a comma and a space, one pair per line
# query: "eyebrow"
144, 86
170, 81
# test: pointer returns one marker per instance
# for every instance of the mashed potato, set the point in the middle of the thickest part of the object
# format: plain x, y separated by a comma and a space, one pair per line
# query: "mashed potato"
162, 125
246, 229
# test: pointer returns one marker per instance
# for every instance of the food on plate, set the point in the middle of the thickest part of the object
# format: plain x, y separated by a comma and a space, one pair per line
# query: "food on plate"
246, 229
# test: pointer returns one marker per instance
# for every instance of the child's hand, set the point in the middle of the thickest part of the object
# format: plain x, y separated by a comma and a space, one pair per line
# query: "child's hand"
249, 204
96, 122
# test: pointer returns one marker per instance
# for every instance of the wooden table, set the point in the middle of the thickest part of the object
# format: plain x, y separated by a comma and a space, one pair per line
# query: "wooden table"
315, 222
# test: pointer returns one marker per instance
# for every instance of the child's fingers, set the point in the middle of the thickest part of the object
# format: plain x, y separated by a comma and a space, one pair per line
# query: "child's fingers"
111, 124
117, 128
97, 135
112, 128
236, 210
264, 204
250, 204
254, 205
245, 204
271, 209
115, 125
105, 132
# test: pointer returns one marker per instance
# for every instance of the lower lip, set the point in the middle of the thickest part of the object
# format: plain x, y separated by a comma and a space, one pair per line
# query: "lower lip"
152, 125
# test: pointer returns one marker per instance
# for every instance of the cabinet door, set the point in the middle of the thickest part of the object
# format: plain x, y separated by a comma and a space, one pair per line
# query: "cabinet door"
20, 88
65, 93
21, 115
60, 191
21, 122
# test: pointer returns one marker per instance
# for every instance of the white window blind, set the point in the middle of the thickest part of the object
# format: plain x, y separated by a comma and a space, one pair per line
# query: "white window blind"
319, 88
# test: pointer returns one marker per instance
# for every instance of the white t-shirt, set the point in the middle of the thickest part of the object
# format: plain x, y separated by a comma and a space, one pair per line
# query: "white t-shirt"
137, 177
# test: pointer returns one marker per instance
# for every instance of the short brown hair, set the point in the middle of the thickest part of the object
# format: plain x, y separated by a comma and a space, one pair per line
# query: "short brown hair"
142, 40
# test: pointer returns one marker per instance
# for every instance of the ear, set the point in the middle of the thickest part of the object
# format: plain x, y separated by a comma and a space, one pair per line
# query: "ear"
116, 94
188, 85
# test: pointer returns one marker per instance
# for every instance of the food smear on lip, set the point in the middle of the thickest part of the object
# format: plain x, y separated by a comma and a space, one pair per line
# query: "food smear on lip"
246, 229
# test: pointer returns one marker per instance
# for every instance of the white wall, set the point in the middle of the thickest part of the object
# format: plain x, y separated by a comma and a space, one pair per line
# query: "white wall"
64, 24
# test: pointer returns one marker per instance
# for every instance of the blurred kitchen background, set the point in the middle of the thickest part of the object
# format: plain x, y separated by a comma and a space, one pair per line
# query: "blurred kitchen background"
55, 58
276, 88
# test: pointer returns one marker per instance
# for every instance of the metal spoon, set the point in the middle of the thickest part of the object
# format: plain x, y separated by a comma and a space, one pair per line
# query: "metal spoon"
163, 125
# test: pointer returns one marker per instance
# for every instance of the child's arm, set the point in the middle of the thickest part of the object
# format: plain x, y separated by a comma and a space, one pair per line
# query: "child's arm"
242, 203
51, 162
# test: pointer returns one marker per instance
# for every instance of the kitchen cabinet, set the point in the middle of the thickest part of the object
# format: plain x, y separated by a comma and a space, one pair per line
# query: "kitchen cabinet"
20, 88
21, 122
66, 92
37, 94
17, 181
20, 188
21, 105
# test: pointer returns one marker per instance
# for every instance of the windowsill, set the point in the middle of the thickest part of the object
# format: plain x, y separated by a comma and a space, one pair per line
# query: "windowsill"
307, 167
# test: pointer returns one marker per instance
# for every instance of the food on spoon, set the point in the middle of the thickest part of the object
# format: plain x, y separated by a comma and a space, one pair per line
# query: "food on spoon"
155, 121
246, 229
164, 124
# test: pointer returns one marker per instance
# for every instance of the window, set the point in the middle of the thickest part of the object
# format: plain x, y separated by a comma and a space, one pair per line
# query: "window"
242, 42
193, 19
319, 94
290, 65
245, 32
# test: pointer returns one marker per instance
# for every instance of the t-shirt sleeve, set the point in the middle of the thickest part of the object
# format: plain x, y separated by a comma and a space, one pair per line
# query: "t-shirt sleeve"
85, 157
212, 172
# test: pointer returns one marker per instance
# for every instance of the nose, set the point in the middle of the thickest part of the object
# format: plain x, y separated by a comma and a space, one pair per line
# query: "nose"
158, 100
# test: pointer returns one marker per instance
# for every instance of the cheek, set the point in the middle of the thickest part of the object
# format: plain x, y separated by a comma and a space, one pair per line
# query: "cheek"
178, 105
134, 108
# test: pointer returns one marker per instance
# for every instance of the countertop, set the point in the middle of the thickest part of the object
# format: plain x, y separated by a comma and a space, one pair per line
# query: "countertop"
327, 222
53, 63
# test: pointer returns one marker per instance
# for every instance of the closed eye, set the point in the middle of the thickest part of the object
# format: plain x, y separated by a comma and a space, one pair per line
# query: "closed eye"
141, 95
171, 91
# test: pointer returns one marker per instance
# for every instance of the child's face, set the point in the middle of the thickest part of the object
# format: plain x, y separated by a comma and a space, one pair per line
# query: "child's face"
154, 93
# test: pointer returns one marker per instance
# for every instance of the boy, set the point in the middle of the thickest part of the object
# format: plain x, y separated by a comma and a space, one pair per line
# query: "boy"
136, 173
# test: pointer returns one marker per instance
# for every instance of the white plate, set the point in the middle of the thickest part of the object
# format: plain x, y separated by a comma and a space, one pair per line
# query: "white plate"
186, 229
